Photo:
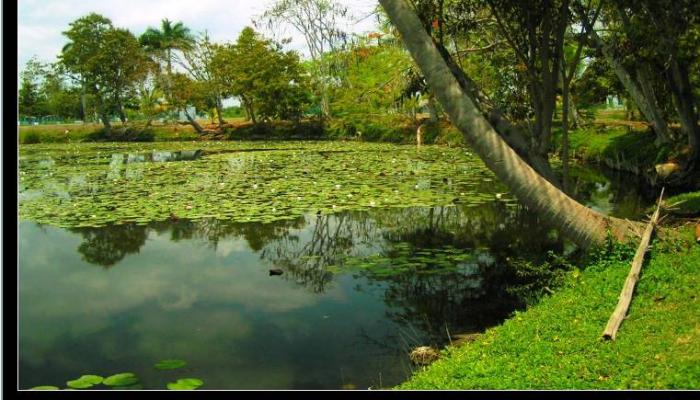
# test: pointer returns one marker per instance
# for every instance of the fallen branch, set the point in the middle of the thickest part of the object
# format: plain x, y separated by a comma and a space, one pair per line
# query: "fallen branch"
626, 296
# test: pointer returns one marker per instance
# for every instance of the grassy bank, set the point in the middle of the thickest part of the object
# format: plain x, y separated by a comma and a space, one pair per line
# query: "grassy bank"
238, 129
556, 344
617, 146
93, 133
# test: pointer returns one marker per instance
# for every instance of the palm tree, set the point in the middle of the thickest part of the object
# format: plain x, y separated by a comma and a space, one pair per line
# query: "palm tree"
581, 224
161, 43
166, 39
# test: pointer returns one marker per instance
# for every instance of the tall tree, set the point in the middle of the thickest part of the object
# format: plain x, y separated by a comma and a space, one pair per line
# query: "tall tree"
199, 62
581, 224
269, 81
535, 30
162, 44
164, 41
319, 21
31, 102
106, 60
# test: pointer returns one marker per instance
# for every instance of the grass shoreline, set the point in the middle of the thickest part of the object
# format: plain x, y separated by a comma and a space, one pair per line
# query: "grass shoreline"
556, 344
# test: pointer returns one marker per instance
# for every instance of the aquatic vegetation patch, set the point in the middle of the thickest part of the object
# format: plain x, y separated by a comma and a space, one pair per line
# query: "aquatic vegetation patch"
123, 379
88, 184
170, 364
185, 384
403, 258
85, 382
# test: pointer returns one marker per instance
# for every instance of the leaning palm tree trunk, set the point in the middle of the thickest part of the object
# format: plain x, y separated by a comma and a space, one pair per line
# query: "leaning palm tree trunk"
579, 223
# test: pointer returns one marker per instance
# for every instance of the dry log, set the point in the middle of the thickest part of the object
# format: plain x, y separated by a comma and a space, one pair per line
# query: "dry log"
626, 296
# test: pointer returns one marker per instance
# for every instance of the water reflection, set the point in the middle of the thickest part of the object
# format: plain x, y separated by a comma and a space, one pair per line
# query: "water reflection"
464, 288
359, 289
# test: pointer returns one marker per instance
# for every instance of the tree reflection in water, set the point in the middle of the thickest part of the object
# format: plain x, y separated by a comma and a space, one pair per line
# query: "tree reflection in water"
439, 267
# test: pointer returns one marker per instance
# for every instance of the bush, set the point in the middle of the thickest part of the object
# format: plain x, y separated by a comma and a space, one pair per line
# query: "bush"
30, 138
122, 135
276, 130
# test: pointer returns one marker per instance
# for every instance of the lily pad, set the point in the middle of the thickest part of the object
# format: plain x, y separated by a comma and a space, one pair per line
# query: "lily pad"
185, 384
123, 379
137, 386
44, 388
170, 364
85, 382
80, 188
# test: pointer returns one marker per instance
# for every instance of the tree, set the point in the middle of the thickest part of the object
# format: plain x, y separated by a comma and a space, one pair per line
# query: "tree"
570, 62
653, 48
501, 97
164, 41
319, 22
31, 102
61, 98
200, 63
184, 92
269, 82
581, 224
107, 61
535, 31
162, 44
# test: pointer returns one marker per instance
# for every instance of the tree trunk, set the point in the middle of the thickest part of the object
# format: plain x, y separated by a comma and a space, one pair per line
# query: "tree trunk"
83, 103
219, 112
565, 130
651, 111
122, 115
683, 100
581, 224
510, 133
432, 107
193, 122
574, 117
107, 124
100, 110
645, 83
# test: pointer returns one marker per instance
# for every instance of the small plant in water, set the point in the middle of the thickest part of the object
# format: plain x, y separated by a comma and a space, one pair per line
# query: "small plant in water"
129, 380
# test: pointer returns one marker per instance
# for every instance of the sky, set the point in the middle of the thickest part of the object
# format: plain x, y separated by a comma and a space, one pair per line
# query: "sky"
40, 22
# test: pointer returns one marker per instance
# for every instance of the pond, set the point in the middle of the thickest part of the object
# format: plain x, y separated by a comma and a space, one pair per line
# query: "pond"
269, 265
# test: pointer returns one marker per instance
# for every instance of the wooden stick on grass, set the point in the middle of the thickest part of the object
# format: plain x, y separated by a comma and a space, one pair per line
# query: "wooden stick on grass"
626, 296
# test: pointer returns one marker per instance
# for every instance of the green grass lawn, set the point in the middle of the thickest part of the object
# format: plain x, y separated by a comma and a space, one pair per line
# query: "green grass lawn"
556, 344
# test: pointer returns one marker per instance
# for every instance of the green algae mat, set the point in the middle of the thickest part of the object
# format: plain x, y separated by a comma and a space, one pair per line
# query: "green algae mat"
97, 184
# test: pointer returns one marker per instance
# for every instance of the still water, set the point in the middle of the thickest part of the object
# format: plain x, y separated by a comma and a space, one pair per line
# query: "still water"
357, 291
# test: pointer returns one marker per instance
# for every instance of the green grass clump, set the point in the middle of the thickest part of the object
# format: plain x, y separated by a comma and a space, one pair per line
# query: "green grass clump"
686, 204
557, 344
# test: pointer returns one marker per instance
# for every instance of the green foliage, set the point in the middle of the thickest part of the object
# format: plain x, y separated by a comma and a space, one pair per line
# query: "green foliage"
270, 82
170, 364
108, 61
636, 148
685, 204
185, 384
556, 344
537, 279
287, 180
129, 380
123, 379
162, 42
85, 381
124, 134
30, 138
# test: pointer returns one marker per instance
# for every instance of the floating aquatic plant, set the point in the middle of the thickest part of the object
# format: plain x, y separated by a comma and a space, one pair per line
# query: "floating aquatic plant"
123, 379
81, 185
85, 381
185, 384
170, 364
